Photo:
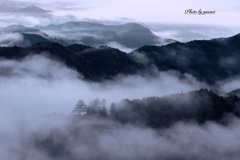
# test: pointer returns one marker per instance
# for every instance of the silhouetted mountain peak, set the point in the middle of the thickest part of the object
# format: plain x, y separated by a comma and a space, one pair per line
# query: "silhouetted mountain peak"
34, 38
20, 28
133, 25
33, 9
16, 26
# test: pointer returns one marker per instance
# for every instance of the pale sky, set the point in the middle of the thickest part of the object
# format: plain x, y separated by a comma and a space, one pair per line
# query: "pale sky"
167, 11
157, 11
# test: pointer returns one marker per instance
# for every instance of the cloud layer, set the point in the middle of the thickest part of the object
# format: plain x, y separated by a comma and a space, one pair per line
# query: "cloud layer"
102, 139
39, 85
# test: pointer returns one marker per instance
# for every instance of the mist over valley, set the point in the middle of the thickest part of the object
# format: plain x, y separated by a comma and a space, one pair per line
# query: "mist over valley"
118, 80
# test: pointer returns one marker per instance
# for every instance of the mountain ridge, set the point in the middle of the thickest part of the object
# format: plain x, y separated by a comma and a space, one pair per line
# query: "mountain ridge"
217, 57
208, 61
128, 35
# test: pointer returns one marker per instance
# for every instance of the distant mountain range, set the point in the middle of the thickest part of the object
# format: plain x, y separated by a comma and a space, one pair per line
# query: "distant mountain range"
95, 33
209, 60
32, 11
130, 35
30, 35
22, 10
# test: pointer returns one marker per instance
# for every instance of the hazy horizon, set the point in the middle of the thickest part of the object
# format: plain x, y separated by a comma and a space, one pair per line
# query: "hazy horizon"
152, 11
163, 18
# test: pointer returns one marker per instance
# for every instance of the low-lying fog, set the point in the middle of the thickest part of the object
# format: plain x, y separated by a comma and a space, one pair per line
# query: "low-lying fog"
37, 85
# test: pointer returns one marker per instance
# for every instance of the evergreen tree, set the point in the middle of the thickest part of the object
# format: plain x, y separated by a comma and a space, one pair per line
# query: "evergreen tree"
80, 108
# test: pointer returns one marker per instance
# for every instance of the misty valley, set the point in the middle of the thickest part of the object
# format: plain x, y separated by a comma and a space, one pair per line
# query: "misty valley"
122, 89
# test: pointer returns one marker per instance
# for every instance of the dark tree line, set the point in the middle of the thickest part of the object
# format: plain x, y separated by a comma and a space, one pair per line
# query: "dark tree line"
95, 107
155, 112
197, 106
